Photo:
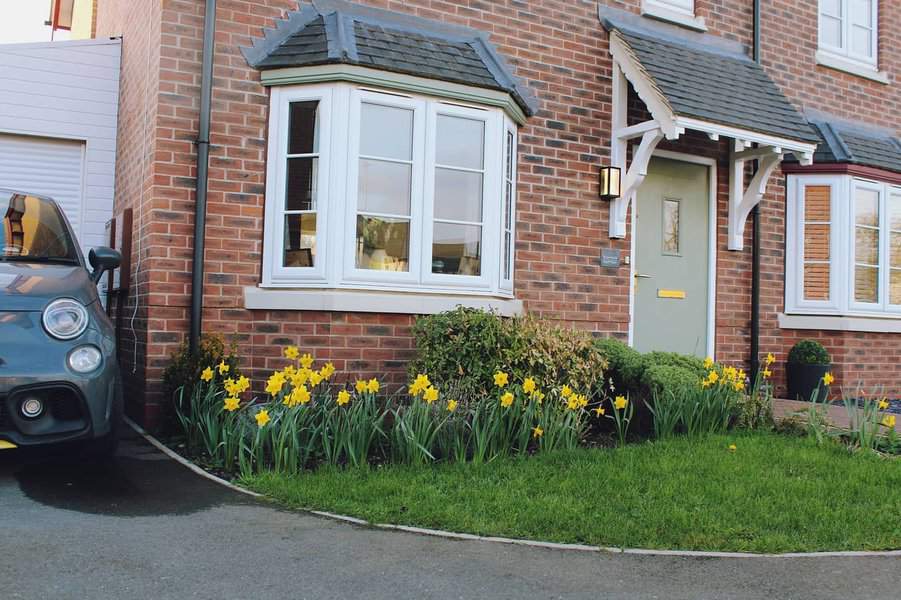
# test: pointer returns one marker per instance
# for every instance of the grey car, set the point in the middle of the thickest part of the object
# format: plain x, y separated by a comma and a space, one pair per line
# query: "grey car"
59, 380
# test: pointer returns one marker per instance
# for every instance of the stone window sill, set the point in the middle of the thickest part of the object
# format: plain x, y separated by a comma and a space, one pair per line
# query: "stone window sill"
411, 303
886, 324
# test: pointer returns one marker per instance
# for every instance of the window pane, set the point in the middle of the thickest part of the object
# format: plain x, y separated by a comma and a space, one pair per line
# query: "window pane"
894, 208
866, 284
458, 195
509, 155
816, 242
866, 246
670, 226
508, 207
816, 281
303, 133
830, 31
866, 207
456, 249
895, 287
383, 244
460, 142
831, 7
861, 41
817, 200
895, 250
300, 240
860, 12
507, 248
384, 187
386, 132
300, 192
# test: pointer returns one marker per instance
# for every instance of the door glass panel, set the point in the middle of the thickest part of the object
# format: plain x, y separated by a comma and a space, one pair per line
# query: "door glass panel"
386, 132
456, 249
384, 187
670, 226
460, 142
383, 244
458, 195
300, 240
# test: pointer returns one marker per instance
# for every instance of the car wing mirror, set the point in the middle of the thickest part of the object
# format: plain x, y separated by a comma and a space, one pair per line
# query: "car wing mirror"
103, 259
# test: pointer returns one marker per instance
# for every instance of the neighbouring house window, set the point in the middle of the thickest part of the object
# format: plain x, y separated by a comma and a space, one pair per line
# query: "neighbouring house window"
378, 190
686, 7
843, 246
848, 29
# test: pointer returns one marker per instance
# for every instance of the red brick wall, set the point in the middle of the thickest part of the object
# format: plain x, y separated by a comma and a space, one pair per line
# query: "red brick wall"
561, 49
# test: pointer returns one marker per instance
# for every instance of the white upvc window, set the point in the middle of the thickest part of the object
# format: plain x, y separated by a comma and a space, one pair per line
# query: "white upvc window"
681, 12
843, 244
848, 30
374, 189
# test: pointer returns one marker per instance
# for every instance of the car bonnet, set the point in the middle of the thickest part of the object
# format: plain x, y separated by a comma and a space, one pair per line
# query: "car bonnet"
30, 286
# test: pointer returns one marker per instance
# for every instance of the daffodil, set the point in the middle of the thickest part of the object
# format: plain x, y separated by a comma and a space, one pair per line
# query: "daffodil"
275, 383
537, 431
572, 403
360, 386
231, 403
888, 420
537, 396
372, 386
506, 399
327, 370
828, 378
708, 363
262, 417
713, 377
306, 361
315, 379
231, 386
223, 368
620, 402
528, 386
207, 374
343, 397
770, 358
566, 391
883, 404
767, 373
501, 379
291, 352
452, 405
738, 386
243, 384
430, 394
732, 447
300, 395
419, 385
289, 370
599, 411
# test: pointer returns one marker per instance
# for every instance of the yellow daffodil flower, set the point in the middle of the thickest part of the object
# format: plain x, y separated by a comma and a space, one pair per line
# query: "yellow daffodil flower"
452, 405
528, 386
262, 417
372, 386
883, 404
620, 402
599, 411
430, 394
732, 447
223, 368
767, 373
327, 370
713, 377
738, 386
231, 404
572, 403
306, 361
343, 397
583, 400
300, 395
289, 370
770, 358
207, 374
537, 431
275, 383
708, 363
506, 399
243, 384
828, 378
292, 352
360, 386
315, 379
888, 420
501, 379
419, 385
538, 396
566, 391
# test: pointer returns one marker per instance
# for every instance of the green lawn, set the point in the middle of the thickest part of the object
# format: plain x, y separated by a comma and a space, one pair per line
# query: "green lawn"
773, 494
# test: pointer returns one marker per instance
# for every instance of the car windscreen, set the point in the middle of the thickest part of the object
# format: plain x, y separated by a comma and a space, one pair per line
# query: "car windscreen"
34, 230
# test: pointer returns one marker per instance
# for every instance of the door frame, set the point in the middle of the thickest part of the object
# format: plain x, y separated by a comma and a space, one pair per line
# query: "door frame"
711, 165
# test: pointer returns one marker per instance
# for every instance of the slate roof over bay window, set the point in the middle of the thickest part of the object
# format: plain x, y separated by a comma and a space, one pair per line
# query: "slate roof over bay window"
338, 32
843, 142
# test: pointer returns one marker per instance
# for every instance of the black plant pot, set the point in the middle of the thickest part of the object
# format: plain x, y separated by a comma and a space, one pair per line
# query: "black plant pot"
804, 379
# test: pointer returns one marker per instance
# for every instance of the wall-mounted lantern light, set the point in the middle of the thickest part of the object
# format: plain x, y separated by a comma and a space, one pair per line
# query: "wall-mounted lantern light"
610, 183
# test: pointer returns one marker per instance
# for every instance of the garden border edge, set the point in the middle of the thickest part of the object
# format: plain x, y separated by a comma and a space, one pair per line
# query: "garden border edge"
498, 539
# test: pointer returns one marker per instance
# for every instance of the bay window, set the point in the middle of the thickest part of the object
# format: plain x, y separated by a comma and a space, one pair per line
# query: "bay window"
372, 189
843, 246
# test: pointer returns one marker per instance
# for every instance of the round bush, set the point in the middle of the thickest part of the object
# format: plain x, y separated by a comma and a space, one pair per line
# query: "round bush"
809, 352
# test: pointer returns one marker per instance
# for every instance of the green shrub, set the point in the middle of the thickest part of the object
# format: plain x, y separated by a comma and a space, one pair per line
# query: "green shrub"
673, 359
664, 379
624, 364
809, 352
467, 346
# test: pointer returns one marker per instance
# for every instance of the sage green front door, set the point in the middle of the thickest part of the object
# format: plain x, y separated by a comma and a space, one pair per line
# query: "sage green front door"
671, 258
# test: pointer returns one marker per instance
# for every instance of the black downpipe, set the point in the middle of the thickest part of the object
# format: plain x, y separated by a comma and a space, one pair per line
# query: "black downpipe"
755, 240
203, 166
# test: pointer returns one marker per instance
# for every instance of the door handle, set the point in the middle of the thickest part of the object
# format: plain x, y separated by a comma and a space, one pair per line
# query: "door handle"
640, 276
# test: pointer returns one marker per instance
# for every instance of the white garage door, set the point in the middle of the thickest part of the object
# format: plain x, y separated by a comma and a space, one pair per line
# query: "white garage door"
48, 167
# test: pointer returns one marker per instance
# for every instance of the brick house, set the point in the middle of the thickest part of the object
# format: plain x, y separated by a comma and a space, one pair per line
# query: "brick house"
374, 160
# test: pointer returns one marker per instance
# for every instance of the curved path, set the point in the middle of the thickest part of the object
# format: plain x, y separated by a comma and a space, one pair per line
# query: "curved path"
146, 527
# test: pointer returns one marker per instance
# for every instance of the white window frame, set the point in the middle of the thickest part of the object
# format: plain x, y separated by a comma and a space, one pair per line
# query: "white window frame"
842, 248
832, 55
339, 144
681, 12
510, 133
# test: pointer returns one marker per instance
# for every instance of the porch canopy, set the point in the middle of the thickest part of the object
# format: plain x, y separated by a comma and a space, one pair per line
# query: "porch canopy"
696, 81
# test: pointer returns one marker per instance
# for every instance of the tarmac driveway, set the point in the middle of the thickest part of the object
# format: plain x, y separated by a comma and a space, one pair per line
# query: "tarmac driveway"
146, 527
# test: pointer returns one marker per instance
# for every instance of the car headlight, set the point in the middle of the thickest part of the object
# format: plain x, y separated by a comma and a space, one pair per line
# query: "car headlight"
85, 359
65, 318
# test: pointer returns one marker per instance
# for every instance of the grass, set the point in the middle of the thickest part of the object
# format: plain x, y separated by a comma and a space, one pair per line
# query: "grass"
775, 493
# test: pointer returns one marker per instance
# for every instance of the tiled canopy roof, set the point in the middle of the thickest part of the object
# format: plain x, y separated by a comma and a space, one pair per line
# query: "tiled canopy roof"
334, 31
843, 142
701, 77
